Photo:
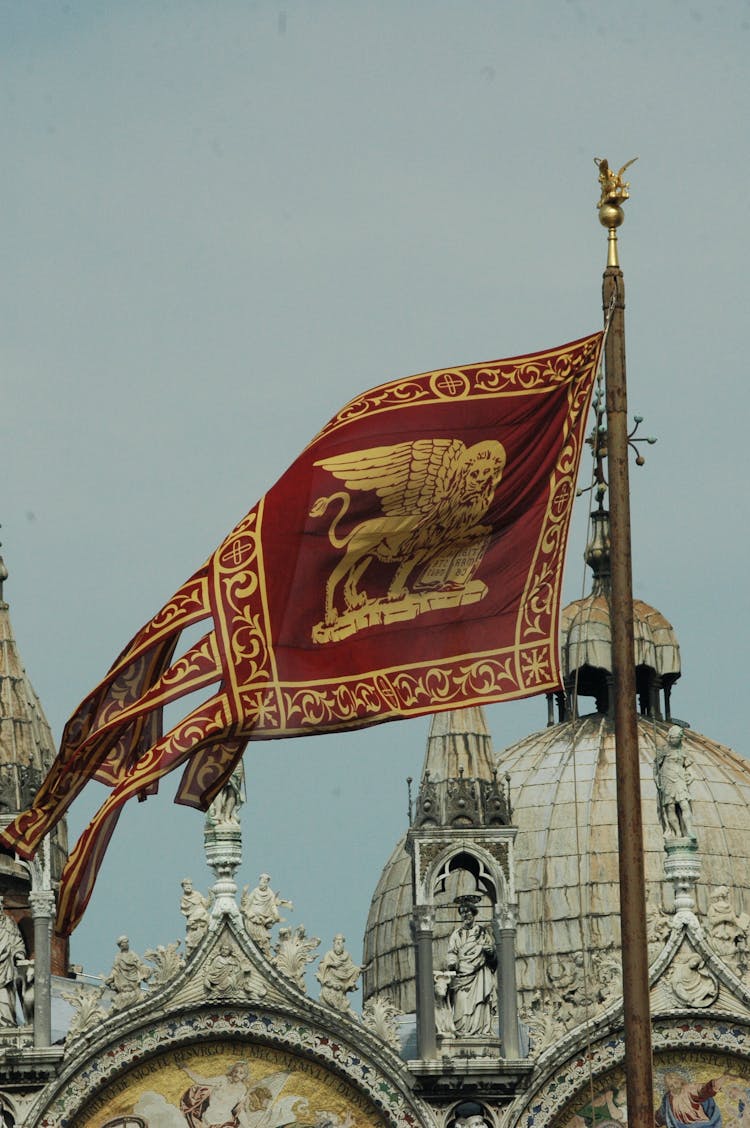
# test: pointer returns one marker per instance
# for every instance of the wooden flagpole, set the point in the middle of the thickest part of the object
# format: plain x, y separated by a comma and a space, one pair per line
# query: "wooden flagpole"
637, 1014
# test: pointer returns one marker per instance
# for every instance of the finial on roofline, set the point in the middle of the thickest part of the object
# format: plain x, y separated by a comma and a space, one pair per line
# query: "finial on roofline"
614, 191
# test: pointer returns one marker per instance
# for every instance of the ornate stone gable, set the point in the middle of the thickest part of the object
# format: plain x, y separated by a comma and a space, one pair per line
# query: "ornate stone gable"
228, 1005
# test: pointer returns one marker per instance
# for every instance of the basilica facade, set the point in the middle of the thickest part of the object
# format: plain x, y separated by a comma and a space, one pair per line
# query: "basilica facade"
490, 971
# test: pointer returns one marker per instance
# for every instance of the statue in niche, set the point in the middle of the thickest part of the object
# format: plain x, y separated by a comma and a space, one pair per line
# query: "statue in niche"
12, 954
443, 1012
225, 974
470, 1114
127, 974
225, 807
260, 912
194, 907
727, 932
337, 975
672, 776
294, 951
472, 956
473, 1120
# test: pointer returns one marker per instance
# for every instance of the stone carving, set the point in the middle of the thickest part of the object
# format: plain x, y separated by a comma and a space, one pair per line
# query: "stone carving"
260, 911
25, 988
472, 1120
461, 807
127, 974
166, 960
12, 954
658, 927
294, 951
381, 1016
87, 1011
691, 981
194, 907
672, 776
225, 807
577, 985
728, 933
541, 1017
7, 1115
607, 967
337, 975
472, 956
443, 1012
225, 974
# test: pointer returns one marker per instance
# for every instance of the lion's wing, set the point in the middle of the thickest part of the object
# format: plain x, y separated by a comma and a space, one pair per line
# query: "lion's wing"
409, 478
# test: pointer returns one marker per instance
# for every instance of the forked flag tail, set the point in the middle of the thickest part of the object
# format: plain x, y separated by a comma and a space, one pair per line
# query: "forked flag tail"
409, 561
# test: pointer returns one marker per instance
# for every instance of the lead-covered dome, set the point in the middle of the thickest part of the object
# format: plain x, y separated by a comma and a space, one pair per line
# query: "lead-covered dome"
564, 805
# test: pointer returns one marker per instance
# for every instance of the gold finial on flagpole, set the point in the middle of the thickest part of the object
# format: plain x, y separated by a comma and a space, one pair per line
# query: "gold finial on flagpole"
614, 192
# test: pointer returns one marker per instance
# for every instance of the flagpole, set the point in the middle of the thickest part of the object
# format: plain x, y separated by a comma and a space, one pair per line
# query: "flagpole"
637, 1014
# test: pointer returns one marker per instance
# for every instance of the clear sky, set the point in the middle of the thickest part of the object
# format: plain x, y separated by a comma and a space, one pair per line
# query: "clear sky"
221, 220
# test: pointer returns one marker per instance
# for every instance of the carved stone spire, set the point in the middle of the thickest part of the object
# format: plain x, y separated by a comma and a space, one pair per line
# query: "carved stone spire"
459, 744
459, 781
27, 750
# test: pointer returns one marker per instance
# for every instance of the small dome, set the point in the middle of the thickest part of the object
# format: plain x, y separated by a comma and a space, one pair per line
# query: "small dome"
586, 638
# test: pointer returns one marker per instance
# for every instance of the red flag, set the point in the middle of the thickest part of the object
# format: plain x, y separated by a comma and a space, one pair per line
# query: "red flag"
409, 561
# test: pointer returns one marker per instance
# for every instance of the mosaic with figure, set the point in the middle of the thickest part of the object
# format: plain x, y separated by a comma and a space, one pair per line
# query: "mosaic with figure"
698, 1090
224, 1085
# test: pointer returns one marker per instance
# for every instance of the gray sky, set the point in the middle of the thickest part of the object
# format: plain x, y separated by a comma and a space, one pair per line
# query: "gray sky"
221, 220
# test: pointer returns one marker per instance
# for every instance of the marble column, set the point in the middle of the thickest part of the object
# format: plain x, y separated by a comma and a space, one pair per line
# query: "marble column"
422, 928
42, 910
504, 923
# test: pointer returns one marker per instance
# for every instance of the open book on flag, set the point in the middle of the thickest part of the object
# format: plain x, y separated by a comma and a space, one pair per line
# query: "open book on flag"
410, 560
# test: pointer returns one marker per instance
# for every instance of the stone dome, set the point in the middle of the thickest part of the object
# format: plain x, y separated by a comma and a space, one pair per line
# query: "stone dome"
564, 805
562, 787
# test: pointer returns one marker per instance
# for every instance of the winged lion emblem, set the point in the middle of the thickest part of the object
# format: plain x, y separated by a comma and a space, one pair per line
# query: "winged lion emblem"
434, 494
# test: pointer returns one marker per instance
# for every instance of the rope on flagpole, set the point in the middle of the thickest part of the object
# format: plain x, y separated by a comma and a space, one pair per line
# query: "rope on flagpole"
583, 916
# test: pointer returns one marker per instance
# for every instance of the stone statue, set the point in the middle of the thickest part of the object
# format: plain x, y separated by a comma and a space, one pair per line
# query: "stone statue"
672, 775
337, 975
194, 907
229, 800
260, 912
294, 951
471, 955
692, 982
444, 1024
12, 953
727, 932
224, 974
127, 974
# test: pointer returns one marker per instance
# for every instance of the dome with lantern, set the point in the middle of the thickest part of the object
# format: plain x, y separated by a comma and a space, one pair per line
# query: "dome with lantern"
562, 800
